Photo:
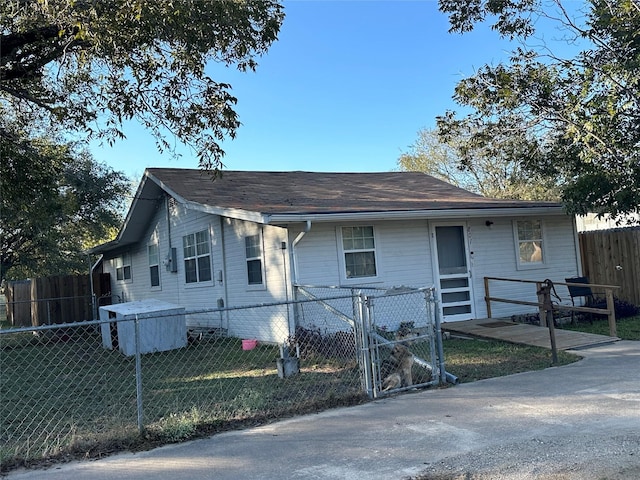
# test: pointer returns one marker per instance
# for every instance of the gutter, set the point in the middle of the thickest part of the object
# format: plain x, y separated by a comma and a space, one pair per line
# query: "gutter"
414, 214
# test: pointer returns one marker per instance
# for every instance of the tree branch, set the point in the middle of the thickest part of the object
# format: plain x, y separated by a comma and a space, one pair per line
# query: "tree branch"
24, 54
11, 42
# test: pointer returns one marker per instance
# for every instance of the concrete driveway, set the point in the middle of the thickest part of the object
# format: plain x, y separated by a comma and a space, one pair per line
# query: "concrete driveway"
580, 421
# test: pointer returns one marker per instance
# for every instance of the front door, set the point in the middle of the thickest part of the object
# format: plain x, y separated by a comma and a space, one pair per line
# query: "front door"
453, 272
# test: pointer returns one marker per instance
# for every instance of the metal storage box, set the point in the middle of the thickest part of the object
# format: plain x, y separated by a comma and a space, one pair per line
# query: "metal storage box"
161, 326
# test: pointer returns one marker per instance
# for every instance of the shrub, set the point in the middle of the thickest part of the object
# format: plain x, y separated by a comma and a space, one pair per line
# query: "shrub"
311, 342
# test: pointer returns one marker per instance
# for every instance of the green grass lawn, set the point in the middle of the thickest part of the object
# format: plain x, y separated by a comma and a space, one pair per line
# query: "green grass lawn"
472, 360
477, 359
69, 397
73, 397
627, 328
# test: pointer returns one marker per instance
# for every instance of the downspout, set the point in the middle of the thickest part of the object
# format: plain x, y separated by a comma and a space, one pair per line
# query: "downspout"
294, 259
171, 258
225, 298
166, 201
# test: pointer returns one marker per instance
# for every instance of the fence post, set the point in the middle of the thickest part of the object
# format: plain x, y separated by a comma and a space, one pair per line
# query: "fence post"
545, 294
611, 313
487, 296
138, 377
432, 299
365, 354
542, 314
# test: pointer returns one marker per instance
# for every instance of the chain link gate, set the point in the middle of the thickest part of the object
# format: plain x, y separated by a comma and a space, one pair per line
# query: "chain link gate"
397, 335
401, 341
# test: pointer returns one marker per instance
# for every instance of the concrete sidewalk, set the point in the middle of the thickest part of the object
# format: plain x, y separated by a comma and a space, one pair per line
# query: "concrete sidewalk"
580, 421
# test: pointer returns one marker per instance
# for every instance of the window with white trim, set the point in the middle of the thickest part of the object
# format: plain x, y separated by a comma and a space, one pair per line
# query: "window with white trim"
253, 252
197, 257
154, 264
359, 250
529, 237
123, 267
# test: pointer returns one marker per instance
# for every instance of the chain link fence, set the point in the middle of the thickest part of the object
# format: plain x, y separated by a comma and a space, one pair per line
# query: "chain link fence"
99, 386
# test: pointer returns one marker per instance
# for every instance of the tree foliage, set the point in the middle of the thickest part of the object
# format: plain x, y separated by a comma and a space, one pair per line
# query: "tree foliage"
88, 66
577, 119
488, 171
55, 202
79, 69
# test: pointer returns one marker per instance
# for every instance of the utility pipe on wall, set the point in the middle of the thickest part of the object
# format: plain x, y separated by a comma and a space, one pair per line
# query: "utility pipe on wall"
294, 259
94, 303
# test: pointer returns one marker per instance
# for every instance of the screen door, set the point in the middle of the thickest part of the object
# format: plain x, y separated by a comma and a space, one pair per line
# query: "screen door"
454, 274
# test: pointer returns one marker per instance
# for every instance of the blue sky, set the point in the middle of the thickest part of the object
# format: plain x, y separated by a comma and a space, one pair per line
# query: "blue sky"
346, 88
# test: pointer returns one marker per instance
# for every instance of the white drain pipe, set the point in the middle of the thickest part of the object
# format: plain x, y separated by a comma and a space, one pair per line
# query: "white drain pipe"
294, 258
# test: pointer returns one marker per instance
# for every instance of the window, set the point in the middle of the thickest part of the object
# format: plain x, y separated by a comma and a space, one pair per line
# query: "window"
359, 250
197, 257
123, 267
253, 251
530, 243
154, 264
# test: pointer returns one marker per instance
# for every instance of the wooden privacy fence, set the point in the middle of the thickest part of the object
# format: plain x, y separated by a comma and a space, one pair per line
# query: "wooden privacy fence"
609, 311
54, 300
612, 257
16, 309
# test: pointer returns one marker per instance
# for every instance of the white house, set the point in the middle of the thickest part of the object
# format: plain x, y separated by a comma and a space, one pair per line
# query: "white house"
248, 237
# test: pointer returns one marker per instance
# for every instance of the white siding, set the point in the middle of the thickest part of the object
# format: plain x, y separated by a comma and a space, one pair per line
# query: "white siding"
233, 290
173, 287
139, 287
402, 259
402, 256
317, 256
201, 294
494, 255
405, 254
266, 324
274, 265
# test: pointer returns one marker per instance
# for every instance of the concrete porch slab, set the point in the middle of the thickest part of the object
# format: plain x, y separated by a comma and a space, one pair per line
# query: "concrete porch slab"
525, 334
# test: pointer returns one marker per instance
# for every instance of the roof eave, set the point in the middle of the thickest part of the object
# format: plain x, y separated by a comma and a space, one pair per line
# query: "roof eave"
124, 238
104, 247
416, 214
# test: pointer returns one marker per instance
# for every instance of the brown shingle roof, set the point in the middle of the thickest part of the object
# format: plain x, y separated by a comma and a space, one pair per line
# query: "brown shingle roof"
320, 192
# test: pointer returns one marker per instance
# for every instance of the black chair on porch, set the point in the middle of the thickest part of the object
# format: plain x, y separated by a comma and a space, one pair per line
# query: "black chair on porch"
578, 291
